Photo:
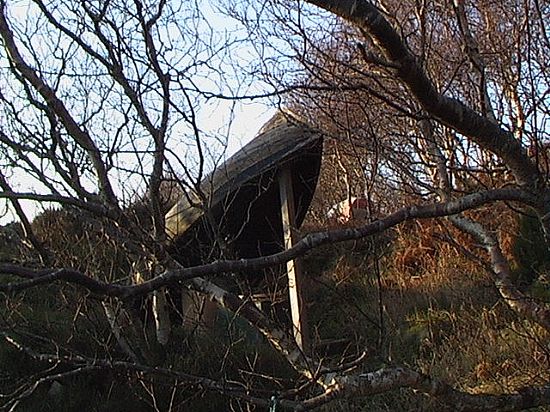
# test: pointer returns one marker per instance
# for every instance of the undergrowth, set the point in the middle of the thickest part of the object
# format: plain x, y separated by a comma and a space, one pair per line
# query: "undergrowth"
404, 298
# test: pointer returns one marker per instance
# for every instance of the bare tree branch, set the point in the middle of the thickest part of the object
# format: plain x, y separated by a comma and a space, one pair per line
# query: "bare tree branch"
79, 134
449, 111
174, 276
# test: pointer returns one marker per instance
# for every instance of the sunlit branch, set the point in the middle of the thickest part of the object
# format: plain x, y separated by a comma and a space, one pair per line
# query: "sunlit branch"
391, 378
449, 111
309, 242
516, 299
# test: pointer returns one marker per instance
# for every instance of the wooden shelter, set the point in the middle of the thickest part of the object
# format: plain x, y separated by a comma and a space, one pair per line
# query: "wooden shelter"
236, 213
251, 205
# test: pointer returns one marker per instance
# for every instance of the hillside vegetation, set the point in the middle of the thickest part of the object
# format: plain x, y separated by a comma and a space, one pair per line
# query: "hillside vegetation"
409, 298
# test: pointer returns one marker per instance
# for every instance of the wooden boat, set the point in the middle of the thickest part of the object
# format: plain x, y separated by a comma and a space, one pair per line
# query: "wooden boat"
236, 211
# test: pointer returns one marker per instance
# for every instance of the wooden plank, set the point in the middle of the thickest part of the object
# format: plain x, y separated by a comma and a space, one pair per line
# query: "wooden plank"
294, 272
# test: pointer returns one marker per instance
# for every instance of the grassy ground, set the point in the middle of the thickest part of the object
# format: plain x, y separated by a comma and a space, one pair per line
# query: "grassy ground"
406, 298
441, 315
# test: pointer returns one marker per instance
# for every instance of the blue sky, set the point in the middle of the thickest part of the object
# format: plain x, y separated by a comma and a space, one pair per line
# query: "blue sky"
234, 122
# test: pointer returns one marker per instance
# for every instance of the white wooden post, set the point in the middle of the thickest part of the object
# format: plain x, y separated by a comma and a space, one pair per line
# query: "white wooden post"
295, 277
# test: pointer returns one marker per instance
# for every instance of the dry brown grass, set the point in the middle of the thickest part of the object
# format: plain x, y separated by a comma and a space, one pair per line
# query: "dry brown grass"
443, 314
